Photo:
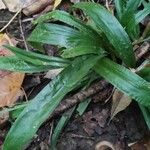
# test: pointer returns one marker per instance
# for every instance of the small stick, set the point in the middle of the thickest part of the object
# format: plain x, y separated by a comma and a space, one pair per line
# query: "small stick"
80, 96
142, 50
51, 131
10, 21
22, 34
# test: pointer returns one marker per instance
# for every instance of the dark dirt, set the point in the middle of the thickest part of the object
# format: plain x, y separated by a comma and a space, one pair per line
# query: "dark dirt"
82, 132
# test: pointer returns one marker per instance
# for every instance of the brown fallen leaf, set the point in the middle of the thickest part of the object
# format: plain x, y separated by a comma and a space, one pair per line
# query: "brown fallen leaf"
37, 6
120, 102
2, 5
10, 82
143, 144
28, 6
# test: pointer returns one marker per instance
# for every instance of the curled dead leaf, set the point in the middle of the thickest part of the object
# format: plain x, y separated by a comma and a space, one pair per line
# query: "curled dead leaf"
120, 102
10, 82
103, 145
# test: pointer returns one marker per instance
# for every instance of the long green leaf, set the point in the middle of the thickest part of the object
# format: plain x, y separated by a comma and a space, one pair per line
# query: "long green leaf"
144, 72
83, 106
130, 25
143, 13
120, 7
128, 18
125, 80
146, 114
112, 29
61, 124
132, 5
39, 59
45, 102
13, 63
82, 50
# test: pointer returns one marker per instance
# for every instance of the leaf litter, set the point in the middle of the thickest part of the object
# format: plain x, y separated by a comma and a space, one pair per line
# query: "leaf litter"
10, 82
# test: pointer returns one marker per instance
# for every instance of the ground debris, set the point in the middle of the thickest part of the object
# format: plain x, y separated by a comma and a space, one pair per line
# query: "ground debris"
93, 121
10, 82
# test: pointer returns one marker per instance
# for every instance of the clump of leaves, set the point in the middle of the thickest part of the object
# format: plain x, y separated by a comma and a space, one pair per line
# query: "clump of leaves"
84, 48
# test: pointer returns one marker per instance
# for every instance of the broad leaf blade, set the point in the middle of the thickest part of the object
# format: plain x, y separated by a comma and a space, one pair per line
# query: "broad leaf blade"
45, 102
52, 34
68, 38
112, 29
125, 80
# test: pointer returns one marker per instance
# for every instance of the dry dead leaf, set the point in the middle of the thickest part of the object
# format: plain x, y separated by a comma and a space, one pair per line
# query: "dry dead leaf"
10, 82
3, 118
74, 1
120, 102
143, 144
103, 145
38, 6
56, 3
2, 5
51, 74
29, 6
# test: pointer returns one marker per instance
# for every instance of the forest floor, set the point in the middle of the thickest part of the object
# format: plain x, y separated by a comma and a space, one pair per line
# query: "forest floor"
82, 132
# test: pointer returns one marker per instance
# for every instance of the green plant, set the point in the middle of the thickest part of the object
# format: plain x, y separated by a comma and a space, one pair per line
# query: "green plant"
83, 49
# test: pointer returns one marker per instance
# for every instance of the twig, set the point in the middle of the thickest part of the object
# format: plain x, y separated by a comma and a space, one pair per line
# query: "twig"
82, 137
22, 34
107, 5
10, 20
26, 98
80, 96
27, 20
142, 50
51, 131
3, 21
